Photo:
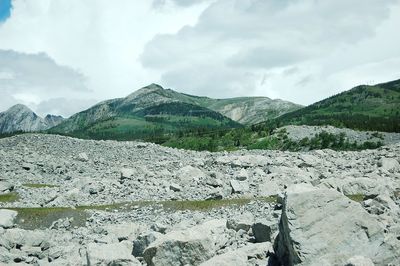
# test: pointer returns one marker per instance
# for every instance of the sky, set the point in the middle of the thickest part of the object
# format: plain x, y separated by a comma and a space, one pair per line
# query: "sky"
62, 56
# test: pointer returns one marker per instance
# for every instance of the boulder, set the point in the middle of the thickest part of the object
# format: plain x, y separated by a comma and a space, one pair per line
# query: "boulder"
187, 247
261, 231
321, 226
111, 254
242, 175
189, 174
257, 253
241, 222
127, 173
143, 241
175, 187
83, 157
7, 218
389, 164
5, 187
239, 186
359, 261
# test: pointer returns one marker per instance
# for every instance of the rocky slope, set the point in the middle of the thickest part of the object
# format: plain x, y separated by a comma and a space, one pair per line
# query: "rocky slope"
21, 118
142, 204
150, 111
297, 133
252, 110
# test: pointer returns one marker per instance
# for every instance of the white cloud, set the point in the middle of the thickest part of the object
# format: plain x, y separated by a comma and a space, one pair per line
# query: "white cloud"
91, 50
99, 38
245, 47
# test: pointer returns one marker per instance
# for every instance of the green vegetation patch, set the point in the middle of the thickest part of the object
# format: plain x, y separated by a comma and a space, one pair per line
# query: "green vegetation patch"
9, 197
33, 218
357, 197
32, 185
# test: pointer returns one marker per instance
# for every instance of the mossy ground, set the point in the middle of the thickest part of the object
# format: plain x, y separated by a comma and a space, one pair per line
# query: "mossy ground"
32, 185
9, 197
356, 197
32, 218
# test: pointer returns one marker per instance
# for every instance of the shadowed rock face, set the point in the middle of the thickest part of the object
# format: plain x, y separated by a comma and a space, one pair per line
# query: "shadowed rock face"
21, 118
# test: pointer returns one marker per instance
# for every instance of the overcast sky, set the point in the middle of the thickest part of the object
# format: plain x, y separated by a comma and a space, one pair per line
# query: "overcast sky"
61, 56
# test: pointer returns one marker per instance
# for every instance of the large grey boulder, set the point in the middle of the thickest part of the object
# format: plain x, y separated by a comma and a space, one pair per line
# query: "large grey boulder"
239, 186
5, 187
187, 247
7, 218
389, 164
111, 254
323, 227
252, 254
188, 175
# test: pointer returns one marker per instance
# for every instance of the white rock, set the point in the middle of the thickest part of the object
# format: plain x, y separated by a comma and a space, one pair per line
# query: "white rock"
389, 164
239, 186
7, 218
83, 157
187, 247
325, 226
111, 254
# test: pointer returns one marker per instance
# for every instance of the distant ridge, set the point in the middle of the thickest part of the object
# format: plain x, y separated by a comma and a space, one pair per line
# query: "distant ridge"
20, 118
363, 107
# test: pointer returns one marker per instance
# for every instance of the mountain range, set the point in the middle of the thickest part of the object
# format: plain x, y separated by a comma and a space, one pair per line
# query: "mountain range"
21, 118
153, 112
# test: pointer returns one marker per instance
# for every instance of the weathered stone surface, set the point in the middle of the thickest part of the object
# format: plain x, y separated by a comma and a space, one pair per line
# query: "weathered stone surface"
83, 157
251, 254
191, 246
111, 254
239, 186
7, 218
320, 225
241, 222
5, 187
389, 164
262, 231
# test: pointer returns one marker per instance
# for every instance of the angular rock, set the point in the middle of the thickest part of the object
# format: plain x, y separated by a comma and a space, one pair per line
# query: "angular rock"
5, 187
143, 241
239, 186
323, 226
7, 218
241, 222
261, 231
83, 157
242, 175
189, 174
389, 164
127, 173
111, 254
175, 187
187, 247
257, 253
359, 261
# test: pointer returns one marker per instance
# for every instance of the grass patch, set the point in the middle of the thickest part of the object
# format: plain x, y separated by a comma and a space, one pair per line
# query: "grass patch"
31, 185
9, 197
356, 197
33, 218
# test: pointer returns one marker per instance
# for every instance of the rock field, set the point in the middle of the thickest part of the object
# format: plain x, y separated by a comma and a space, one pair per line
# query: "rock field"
66, 201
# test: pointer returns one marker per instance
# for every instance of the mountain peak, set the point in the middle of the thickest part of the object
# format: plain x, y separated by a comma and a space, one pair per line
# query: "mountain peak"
19, 108
153, 87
